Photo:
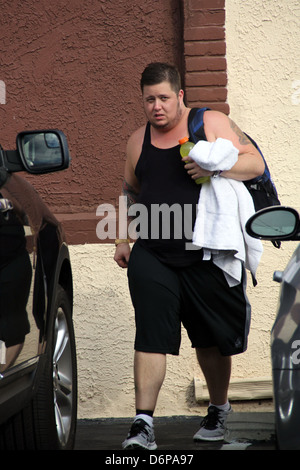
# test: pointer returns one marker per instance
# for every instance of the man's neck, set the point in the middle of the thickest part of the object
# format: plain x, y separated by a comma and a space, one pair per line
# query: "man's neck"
169, 136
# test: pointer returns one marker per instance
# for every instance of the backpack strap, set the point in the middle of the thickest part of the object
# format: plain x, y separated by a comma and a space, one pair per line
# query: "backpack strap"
195, 124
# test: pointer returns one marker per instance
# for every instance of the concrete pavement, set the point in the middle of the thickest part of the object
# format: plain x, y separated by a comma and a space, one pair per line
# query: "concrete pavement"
246, 431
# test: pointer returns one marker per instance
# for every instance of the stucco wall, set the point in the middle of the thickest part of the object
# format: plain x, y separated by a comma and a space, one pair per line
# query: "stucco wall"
263, 70
263, 63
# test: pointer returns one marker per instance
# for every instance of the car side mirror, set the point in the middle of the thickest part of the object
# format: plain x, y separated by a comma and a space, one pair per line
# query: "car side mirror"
274, 223
38, 152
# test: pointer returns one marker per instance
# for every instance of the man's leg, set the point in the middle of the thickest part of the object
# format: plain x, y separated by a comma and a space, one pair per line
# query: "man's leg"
149, 374
216, 369
155, 294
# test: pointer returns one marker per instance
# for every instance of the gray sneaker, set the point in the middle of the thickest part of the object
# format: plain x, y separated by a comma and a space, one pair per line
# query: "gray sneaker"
213, 426
141, 435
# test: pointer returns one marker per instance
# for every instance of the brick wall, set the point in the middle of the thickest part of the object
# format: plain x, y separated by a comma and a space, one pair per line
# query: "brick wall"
205, 54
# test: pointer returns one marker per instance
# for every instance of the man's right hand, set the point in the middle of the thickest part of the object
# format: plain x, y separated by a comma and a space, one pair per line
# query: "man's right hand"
122, 254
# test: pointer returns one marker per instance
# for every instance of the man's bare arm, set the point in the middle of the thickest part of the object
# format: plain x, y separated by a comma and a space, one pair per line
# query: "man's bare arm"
250, 162
243, 139
130, 192
130, 189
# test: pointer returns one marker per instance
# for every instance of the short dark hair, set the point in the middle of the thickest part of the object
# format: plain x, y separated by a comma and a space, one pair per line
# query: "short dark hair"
158, 72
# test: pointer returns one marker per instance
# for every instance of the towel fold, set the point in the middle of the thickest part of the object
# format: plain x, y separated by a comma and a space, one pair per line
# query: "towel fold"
224, 207
212, 156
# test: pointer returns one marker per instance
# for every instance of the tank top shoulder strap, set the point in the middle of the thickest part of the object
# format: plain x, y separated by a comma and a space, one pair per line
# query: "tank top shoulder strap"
144, 151
147, 136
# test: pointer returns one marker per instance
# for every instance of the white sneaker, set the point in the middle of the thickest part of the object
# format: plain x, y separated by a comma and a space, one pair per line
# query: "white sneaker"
141, 435
213, 426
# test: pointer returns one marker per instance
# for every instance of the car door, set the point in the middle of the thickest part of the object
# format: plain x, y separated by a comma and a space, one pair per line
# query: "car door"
22, 280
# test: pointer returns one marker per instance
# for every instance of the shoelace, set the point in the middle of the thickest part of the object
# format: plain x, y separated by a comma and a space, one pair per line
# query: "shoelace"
212, 419
139, 427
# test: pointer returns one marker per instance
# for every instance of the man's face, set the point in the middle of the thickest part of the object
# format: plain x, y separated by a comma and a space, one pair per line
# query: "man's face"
163, 107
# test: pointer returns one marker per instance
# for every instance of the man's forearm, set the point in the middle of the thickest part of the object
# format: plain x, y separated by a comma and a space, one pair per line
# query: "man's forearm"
130, 193
129, 198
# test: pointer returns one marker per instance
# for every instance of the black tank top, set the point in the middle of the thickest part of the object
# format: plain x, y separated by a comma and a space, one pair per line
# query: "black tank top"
169, 199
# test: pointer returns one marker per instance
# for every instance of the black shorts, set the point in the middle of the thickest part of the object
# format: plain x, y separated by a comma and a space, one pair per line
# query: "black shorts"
197, 296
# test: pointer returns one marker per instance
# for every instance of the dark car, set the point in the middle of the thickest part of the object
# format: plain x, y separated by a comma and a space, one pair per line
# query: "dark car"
38, 376
282, 223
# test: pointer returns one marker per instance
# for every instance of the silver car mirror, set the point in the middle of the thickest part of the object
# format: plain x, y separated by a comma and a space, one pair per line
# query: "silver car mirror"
274, 223
43, 151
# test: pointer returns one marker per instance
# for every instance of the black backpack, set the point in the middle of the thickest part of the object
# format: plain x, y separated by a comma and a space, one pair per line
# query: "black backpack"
261, 188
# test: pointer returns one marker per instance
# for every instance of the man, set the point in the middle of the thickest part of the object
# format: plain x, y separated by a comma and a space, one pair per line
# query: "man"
168, 283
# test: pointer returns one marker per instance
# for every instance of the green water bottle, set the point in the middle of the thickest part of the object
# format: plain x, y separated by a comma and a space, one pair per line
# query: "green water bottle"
185, 148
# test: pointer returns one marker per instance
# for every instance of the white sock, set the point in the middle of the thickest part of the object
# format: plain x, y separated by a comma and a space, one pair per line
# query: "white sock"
224, 407
148, 419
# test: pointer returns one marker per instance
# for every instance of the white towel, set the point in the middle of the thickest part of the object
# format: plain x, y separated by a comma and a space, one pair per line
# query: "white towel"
224, 207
